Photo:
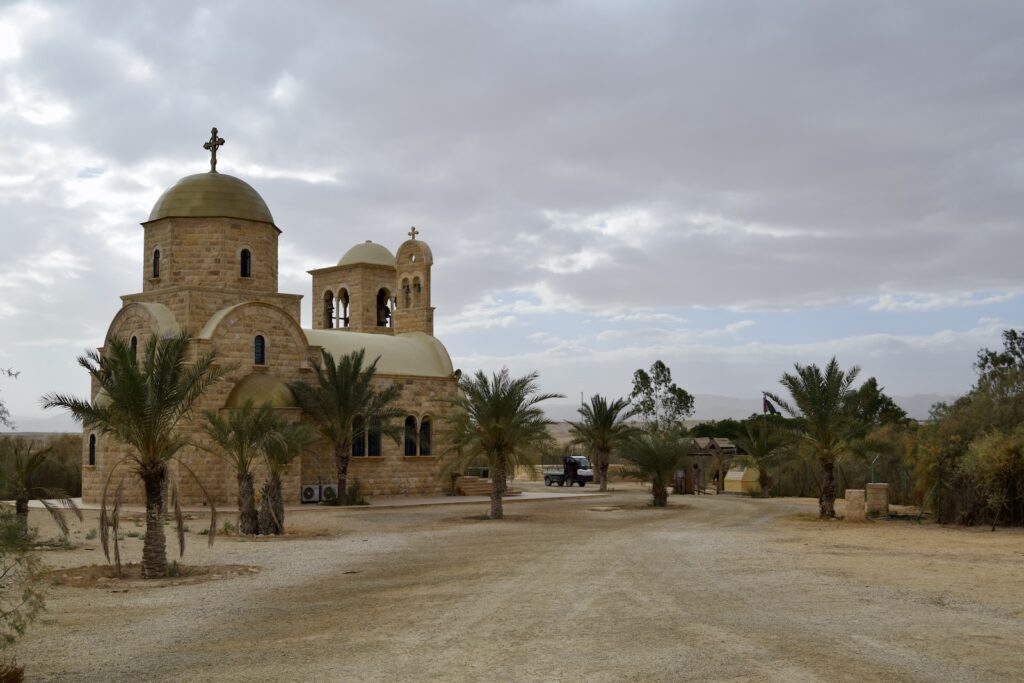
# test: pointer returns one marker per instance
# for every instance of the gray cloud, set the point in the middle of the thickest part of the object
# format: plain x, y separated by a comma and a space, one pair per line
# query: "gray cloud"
815, 153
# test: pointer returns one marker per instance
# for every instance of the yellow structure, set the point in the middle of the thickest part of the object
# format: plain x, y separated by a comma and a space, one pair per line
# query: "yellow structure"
210, 266
742, 479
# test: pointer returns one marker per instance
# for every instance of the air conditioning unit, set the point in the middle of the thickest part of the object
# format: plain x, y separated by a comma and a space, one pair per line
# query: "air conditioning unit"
329, 492
310, 493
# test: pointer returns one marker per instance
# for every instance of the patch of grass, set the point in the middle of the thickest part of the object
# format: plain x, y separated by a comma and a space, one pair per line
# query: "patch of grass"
92, 533
175, 569
204, 532
229, 527
133, 534
56, 543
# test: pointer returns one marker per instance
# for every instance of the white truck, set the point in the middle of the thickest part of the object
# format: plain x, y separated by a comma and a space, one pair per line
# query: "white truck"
555, 474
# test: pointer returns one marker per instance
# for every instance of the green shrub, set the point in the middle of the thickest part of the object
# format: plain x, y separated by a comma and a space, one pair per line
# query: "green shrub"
354, 495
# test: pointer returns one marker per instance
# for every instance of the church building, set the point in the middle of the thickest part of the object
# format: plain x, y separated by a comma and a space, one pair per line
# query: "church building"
210, 266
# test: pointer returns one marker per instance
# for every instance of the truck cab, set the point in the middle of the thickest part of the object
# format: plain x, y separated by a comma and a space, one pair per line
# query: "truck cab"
555, 474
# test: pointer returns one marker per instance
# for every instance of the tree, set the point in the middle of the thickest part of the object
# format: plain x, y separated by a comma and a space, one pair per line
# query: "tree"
284, 444
763, 442
821, 398
603, 429
24, 458
658, 400
497, 418
21, 595
5, 415
344, 392
141, 405
239, 439
869, 406
991, 364
656, 455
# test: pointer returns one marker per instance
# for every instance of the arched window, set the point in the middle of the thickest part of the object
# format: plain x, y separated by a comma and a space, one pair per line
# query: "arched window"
329, 309
92, 450
373, 439
358, 438
343, 311
156, 263
133, 343
425, 436
246, 263
383, 308
410, 435
406, 294
259, 348
417, 289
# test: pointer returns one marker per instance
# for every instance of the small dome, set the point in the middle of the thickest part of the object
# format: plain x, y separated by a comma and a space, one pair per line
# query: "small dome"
213, 195
261, 388
368, 252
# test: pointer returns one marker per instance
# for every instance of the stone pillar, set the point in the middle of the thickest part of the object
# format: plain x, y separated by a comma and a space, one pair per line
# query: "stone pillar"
877, 500
855, 505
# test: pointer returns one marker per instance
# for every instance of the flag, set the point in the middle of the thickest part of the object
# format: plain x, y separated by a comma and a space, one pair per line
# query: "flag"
768, 407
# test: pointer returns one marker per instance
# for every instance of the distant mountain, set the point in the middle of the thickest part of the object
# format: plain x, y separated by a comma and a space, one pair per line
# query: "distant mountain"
58, 422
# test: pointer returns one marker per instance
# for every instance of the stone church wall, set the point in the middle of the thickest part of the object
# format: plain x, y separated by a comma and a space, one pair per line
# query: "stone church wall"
206, 252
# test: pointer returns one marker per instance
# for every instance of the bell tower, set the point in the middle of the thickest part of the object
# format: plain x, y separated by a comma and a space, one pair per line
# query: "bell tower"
357, 295
413, 312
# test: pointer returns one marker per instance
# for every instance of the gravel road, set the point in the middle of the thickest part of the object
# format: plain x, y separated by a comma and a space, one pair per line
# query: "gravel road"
712, 588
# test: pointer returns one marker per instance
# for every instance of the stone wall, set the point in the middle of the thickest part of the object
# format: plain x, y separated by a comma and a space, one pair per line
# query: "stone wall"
394, 473
206, 252
287, 359
362, 281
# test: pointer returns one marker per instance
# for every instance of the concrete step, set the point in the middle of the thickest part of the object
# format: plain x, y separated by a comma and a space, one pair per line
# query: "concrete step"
475, 486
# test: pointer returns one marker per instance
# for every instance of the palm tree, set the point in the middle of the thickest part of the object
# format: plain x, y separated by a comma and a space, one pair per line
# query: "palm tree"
26, 456
762, 443
603, 429
497, 418
656, 456
284, 444
239, 439
344, 392
141, 404
821, 398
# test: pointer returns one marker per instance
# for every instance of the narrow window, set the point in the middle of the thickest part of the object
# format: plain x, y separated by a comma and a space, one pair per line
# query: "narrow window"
417, 289
329, 309
358, 438
406, 294
246, 263
259, 348
373, 439
343, 311
410, 435
156, 263
134, 344
92, 450
383, 308
425, 436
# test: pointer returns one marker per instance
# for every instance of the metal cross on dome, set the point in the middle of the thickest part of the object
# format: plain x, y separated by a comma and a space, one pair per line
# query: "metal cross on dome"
413, 232
212, 145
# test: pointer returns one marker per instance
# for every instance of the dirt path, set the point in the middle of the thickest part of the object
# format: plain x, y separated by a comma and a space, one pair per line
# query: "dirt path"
713, 589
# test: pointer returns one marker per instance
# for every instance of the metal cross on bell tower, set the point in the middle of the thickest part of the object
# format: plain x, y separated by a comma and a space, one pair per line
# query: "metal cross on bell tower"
413, 232
212, 145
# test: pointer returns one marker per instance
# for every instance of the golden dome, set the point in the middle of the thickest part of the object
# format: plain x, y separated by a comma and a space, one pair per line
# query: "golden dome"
368, 252
213, 195
261, 388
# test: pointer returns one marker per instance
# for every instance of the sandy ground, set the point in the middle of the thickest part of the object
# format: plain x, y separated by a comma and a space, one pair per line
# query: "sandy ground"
595, 589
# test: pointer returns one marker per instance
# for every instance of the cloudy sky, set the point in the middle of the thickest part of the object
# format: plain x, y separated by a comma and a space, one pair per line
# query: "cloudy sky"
728, 186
